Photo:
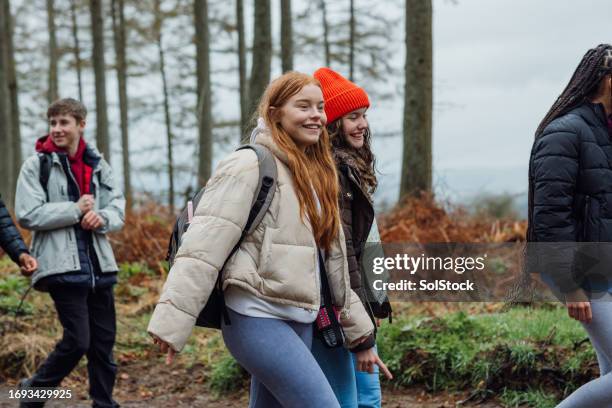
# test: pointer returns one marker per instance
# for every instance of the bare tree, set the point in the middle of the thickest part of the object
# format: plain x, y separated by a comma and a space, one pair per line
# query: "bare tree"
417, 155
352, 40
204, 90
286, 36
13, 89
6, 161
97, 29
325, 33
262, 53
52, 94
76, 48
117, 13
162, 70
244, 108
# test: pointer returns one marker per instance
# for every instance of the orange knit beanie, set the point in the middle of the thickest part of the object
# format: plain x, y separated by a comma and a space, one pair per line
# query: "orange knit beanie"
341, 95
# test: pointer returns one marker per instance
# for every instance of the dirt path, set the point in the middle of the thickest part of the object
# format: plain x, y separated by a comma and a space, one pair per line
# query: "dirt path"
142, 384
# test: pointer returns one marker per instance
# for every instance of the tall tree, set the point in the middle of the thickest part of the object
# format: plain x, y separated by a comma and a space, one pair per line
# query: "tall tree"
97, 31
262, 53
162, 70
352, 40
52, 94
76, 47
13, 89
117, 13
417, 155
6, 161
326, 45
202, 40
286, 36
244, 108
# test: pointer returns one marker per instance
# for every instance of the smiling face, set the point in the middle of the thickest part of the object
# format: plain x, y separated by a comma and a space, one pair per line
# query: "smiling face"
302, 116
65, 131
355, 125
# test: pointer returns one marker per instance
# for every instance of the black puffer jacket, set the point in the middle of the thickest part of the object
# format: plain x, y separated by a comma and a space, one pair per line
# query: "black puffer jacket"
10, 238
570, 173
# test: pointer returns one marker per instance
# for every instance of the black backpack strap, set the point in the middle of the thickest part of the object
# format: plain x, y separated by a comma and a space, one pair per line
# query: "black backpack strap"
45, 161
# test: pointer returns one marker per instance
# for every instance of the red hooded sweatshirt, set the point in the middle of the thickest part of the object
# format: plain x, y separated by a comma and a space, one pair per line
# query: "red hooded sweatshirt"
81, 171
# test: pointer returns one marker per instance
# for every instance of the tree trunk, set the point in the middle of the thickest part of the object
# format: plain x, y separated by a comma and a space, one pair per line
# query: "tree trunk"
262, 53
417, 154
204, 90
52, 94
352, 41
77, 48
244, 108
6, 160
97, 30
13, 89
162, 71
121, 68
325, 34
286, 36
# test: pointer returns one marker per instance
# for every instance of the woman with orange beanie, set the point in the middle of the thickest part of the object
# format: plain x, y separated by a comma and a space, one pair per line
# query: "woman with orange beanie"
353, 375
272, 283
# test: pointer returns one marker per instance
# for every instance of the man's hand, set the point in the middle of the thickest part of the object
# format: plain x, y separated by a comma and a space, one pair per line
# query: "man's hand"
86, 203
165, 348
92, 221
366, 360
28, 264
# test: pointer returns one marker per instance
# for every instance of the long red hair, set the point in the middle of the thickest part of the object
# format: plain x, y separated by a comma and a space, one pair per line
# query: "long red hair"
312, 168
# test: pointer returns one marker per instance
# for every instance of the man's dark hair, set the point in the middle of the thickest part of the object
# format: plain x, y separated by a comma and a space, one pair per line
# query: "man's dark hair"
67, 106
596, 63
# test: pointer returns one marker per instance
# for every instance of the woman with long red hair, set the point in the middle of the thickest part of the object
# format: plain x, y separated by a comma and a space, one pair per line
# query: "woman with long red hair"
272, 284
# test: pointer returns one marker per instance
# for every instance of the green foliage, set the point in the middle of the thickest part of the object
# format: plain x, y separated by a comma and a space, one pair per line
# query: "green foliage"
490, 352
12, 288
131, 269
530, 398
227, 375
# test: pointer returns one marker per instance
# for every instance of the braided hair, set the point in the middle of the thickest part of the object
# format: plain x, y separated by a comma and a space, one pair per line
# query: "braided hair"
595, 64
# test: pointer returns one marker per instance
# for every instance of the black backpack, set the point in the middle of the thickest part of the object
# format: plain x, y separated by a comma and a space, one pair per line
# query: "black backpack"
210, 316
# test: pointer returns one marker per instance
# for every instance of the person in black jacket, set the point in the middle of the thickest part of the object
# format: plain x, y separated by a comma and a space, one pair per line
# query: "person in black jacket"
570, 205
12, 243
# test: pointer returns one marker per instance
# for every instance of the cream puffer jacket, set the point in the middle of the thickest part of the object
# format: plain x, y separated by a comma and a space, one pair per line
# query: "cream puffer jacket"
277, 262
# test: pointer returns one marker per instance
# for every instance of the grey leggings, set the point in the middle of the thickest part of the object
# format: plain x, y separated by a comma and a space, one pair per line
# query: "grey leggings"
277, 354
598, 392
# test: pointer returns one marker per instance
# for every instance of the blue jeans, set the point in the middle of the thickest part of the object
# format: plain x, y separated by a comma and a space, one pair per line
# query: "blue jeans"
277, 354
354, 389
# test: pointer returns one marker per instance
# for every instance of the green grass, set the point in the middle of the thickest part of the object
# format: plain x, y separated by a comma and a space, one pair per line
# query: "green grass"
490, 353
531, 398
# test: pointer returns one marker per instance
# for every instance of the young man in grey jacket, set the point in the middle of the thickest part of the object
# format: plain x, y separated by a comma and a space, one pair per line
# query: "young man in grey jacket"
67, 195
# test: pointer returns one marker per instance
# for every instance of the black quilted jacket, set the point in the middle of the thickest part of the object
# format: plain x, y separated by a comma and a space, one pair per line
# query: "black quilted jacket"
10, 238
570, 178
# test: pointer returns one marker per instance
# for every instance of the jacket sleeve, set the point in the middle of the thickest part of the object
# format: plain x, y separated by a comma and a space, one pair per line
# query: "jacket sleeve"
555, 169
113, 211
356, 322
31, 207
10, 238
218, 221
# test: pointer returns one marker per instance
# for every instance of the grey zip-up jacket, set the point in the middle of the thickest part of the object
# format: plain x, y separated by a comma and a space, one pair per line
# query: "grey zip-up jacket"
54, 242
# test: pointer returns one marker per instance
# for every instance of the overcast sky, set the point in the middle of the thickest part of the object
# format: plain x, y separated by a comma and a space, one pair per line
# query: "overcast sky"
498, 67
